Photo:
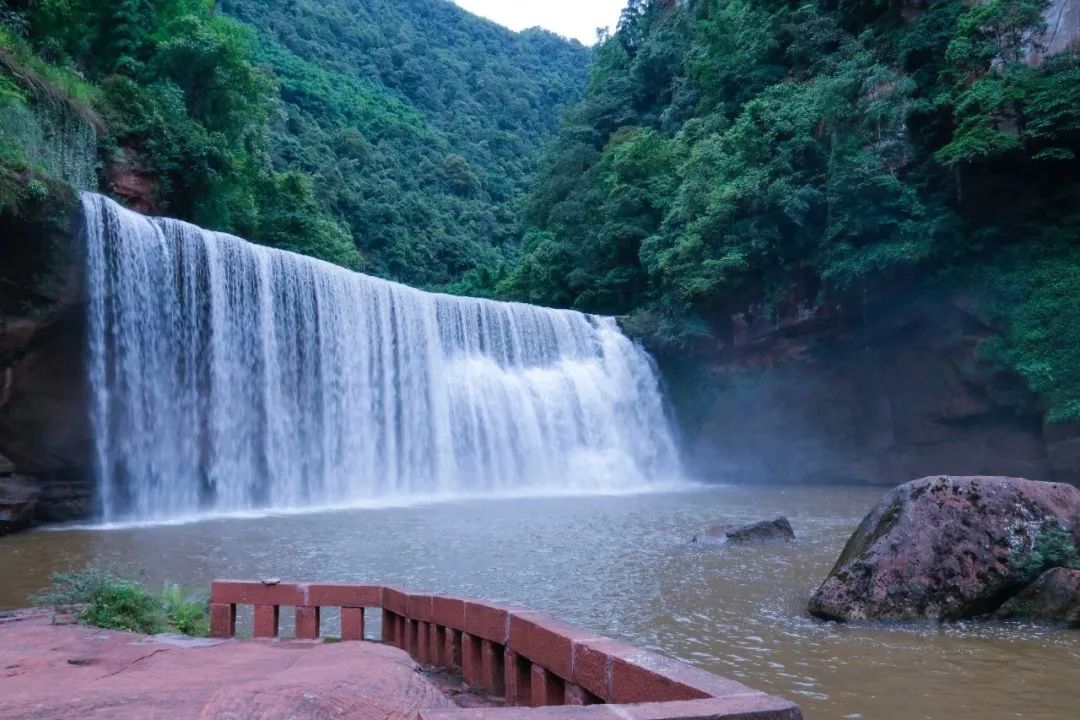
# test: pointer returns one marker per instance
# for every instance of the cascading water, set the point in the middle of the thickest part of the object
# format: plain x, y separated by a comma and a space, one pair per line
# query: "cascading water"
228, 377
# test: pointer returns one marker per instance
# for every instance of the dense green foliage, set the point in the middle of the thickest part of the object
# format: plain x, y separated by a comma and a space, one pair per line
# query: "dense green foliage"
729, 150
421, 124
391, 137
104, 599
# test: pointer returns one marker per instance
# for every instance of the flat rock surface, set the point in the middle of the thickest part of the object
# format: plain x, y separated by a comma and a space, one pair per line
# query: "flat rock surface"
73, 671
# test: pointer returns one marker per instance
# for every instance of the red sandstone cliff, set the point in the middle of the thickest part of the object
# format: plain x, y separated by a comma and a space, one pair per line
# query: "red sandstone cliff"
44, 434
896, 393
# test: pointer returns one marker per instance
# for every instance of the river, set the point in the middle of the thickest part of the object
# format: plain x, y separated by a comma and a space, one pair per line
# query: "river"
623, 565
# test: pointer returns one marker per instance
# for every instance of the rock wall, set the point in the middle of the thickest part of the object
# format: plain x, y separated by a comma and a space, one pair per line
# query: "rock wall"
1062, 26
829, 400
44, 430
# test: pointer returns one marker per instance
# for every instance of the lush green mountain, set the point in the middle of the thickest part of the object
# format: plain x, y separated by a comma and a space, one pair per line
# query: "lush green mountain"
422, 125
734, 154
394, 137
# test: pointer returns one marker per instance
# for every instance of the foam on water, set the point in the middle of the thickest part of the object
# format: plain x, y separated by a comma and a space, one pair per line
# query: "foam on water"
228, 378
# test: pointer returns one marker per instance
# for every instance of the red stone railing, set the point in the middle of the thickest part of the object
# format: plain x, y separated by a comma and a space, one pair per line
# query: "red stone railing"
529, 658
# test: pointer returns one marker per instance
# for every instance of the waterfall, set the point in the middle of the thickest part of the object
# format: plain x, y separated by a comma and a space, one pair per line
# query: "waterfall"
226, 376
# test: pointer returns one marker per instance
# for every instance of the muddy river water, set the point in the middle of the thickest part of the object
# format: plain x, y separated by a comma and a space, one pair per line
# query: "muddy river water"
624, 566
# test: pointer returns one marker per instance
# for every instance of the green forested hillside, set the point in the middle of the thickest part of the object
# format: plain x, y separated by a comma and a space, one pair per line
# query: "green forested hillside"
393, 137
729, 150
422, 125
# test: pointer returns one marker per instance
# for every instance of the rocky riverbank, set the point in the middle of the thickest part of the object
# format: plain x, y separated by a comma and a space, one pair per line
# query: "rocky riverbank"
116, 675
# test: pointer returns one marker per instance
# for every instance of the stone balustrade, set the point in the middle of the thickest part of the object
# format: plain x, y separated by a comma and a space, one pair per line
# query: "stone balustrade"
529, 658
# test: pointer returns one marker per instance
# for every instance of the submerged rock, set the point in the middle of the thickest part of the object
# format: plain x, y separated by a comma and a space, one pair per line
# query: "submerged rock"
947, 547
1054, 597
764, 531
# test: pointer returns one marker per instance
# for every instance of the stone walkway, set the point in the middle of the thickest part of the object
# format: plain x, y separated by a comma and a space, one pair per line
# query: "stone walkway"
72, 671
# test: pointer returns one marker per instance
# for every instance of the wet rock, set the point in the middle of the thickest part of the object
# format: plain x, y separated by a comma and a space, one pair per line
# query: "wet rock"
947, 547
763, 531
18, 503
1054, 597
44, 428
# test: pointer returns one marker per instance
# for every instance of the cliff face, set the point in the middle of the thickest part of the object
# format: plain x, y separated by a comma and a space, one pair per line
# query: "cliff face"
824, 400
45, 440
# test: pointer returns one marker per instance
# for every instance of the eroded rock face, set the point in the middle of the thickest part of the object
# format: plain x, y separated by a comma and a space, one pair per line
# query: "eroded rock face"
763, 531
1054, 597
44, 429
901, 394
18, 503
945, 548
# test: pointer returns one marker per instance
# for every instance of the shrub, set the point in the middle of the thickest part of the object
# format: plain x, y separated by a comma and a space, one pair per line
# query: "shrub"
124, 605
1052, 548
104, 599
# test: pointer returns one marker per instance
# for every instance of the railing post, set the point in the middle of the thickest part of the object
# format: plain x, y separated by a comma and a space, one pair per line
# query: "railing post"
410, 637
307, 623
516, 674
389, 627
547, 689
352, 623
222, 620
423, 642
491, 664
438, 646
453, 648
266, 621
470, 660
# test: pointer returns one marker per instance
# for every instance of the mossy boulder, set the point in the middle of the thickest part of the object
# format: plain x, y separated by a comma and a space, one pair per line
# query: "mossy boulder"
948, 547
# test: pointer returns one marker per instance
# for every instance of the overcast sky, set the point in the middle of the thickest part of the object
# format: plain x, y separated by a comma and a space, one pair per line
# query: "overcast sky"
570, 18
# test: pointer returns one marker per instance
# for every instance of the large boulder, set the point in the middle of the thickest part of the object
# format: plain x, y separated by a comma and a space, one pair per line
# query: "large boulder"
949, 547
1054, 597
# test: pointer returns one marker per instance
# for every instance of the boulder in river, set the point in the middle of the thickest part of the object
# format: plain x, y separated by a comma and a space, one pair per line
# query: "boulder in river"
948, 547
1054, 597
764, 531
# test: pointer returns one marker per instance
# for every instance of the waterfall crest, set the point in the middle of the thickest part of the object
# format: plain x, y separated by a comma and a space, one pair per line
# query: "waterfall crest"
227, 376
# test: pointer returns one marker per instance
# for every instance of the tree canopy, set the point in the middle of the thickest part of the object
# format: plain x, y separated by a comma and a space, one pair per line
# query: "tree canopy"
727, 150
393, 137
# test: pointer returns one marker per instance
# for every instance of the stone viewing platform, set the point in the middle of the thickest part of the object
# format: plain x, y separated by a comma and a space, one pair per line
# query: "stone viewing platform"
440, 658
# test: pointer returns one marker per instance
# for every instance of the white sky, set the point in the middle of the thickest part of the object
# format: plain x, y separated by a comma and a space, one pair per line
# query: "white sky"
570, 18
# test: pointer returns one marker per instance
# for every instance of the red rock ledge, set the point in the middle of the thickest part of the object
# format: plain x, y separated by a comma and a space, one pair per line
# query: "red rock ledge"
50, 671
556, 671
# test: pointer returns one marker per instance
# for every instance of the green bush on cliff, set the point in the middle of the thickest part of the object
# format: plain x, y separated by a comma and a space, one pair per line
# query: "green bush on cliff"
103, 598
1031, 291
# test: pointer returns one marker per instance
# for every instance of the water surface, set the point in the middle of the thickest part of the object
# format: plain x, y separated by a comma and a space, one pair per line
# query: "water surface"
624, 566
